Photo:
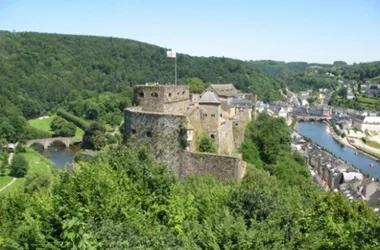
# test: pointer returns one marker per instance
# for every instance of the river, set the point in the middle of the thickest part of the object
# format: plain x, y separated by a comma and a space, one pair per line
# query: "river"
316, 131
59, 154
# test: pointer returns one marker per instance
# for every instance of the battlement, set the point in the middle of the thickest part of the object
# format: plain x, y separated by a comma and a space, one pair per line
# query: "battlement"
162, 98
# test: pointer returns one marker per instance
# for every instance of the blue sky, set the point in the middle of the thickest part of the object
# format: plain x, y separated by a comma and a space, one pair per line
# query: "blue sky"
287, 30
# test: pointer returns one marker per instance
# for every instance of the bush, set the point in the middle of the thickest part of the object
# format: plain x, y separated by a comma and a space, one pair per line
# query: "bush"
19, 166
207, 145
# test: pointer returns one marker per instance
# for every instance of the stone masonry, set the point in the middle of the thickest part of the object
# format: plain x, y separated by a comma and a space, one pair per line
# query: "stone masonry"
161, 123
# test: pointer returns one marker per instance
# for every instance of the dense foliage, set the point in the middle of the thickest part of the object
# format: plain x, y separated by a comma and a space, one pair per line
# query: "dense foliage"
107, 108
125, 200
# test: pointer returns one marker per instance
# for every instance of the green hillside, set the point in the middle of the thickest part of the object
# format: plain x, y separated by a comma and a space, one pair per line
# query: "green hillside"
41, 72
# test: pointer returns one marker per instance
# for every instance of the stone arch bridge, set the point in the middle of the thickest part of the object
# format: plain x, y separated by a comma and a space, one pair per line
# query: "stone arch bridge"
313, 118
46, 142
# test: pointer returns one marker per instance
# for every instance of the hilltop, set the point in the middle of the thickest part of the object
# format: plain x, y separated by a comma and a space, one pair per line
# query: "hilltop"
41, 72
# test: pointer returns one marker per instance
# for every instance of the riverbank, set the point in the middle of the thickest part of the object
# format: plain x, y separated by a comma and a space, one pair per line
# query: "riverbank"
344, 141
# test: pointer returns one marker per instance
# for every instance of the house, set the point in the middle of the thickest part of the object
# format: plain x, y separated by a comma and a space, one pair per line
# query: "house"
369, 187
373, 90
363, 123
304, 102
224, 92
363, 88
350, 95
282, 112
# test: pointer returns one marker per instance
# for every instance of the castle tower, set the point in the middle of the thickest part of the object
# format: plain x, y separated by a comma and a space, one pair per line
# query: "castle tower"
172, 99
210, 114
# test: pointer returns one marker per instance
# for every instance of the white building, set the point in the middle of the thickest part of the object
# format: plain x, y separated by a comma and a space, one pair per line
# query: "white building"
363, 123
282, 112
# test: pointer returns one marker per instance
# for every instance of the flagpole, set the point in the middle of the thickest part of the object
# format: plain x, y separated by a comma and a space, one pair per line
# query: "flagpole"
175, 70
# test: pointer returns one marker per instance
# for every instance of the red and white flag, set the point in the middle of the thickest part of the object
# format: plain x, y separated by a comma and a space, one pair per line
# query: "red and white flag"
171, 53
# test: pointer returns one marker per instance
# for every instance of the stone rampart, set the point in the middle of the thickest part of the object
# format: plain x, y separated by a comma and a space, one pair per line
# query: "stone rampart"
226, 138
223, 167
164, 134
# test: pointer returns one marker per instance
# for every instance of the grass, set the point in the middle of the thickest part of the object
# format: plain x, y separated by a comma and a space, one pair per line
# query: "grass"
44, 125
37, 164
373, 144
368, 100
4, 180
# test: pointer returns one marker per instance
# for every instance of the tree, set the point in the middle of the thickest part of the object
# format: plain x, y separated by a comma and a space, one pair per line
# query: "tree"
196, 85
19, 166
57, 123
3, 143
207, 144
68, 130
20, 148
94, 137
270, 135
98, 140
3, 167
342, 92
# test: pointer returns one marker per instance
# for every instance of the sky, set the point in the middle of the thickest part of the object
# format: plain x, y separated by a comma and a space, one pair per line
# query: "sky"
318, 31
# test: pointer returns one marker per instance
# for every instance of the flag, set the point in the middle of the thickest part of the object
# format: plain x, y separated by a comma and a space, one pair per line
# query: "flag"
171, 53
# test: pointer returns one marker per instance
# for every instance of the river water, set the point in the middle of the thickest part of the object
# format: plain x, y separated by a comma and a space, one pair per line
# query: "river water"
316, 131
59, 154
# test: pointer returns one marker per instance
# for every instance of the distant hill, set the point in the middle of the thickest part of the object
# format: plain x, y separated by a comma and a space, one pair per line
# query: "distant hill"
40, 72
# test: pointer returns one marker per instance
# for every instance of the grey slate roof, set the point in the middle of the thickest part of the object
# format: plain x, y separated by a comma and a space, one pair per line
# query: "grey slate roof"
210, 98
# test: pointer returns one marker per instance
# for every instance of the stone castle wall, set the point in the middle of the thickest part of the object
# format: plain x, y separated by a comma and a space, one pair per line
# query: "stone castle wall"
238, 128
226, 138
223, 167
163, 134
193, 117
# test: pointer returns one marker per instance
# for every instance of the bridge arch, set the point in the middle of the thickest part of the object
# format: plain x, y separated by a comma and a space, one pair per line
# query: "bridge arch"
64, 142
46, 142
36, 143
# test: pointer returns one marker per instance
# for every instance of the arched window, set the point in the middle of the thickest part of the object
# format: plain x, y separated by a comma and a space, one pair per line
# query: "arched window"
149, 134
170, 94
154, 94
141, 94
212, 136
133, 131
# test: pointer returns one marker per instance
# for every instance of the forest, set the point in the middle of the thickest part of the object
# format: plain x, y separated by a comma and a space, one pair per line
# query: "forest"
123, 199
44, 72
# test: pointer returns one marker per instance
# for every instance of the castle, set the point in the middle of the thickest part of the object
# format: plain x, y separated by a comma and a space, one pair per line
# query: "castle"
170, 123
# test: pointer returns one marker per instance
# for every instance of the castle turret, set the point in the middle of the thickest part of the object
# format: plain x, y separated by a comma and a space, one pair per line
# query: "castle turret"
162, 98
210, 114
